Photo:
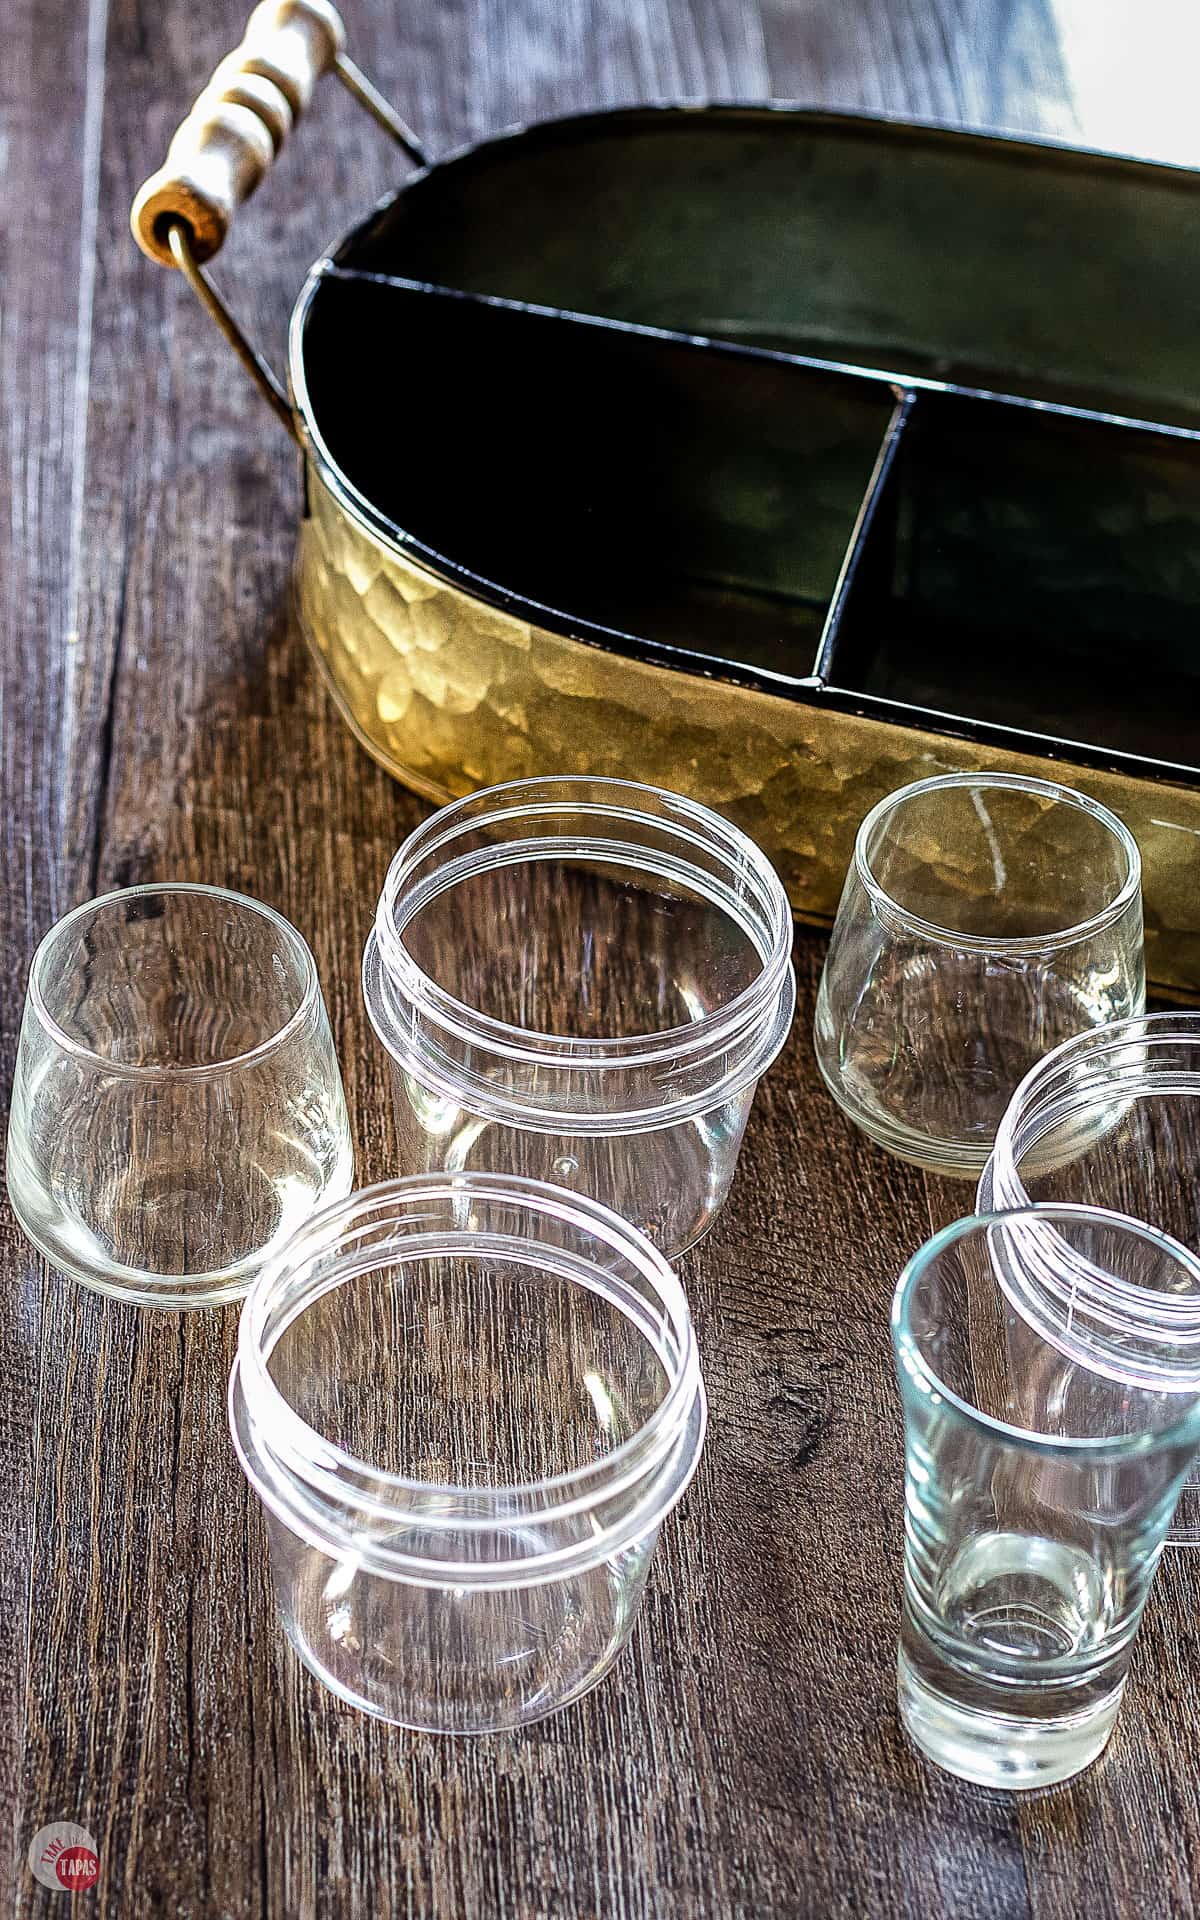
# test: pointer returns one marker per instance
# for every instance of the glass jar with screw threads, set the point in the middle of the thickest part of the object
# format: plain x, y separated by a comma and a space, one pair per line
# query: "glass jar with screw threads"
1112, 1118
581, 981
467, 1403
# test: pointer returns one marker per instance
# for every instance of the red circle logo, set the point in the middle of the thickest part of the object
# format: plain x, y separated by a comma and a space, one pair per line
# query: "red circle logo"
64, 1857
77, 1867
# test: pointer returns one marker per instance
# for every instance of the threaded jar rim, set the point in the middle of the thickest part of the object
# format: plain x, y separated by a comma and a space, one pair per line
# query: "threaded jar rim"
1070, 1091
427, 1029
345, 1505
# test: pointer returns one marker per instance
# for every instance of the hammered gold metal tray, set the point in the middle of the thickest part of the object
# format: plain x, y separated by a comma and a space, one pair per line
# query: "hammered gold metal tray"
774, 456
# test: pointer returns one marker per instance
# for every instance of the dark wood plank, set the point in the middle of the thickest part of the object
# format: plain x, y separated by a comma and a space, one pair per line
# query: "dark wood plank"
744, 1759
49, 149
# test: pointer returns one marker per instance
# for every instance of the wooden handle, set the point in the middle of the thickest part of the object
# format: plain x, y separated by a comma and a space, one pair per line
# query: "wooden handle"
237, 126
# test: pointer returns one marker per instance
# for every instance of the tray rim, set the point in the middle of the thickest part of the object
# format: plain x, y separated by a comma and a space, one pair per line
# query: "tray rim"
814, 689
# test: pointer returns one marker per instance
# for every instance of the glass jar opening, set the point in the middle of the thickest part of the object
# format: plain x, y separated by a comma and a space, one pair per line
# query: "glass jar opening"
997, 861
172, 979
598, 918
466, 1369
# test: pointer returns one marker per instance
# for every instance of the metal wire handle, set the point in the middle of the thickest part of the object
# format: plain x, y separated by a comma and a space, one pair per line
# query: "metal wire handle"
225, 146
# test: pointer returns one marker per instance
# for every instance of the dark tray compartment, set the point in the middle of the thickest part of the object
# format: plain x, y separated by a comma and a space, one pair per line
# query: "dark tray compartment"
976, 564
1018, 266
687, 499
1033, 570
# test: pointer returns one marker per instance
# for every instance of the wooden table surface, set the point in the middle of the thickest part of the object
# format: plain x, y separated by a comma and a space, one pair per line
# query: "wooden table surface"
161, 720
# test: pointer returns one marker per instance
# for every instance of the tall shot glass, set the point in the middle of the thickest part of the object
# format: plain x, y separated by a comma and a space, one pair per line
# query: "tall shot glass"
1038, 1493
985, 918
177, 1109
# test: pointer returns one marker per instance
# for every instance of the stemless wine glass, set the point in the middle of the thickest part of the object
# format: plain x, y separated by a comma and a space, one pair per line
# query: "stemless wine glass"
985, 917
1038, 1490
177, 1109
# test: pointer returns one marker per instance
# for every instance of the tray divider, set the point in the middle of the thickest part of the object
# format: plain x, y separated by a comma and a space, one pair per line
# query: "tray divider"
877, 487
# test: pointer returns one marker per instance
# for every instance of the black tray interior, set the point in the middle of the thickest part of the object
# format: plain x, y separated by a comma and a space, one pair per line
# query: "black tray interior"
682, 496
1033, 570
694, 452
1007, 264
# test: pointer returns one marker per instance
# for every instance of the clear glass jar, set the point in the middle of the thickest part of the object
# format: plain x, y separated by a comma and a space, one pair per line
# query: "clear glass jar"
466, 1403
581, 981
1112, 1118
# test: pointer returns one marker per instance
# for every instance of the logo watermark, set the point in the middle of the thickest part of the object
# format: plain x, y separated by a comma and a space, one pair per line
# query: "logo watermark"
63, 1856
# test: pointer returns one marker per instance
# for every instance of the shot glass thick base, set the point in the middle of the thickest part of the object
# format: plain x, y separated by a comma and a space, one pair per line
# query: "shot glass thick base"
994, 1749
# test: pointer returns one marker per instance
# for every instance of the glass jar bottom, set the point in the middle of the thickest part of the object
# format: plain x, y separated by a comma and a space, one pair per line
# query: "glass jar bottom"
457, 1660
81, 1255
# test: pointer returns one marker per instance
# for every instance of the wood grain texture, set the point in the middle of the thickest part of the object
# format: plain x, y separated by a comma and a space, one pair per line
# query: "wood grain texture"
160, 720
43, 365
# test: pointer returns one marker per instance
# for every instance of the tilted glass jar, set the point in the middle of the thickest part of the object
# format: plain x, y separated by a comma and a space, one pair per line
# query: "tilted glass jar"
177, 1108
985, 917
1112, 1118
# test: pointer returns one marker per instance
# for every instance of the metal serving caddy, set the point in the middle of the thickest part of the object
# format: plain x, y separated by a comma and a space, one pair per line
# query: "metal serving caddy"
773, 456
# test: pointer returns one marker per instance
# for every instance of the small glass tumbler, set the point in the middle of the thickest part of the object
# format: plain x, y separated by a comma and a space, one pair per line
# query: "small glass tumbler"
1112, 1118
1038, 1492
177, 1109
581, 981
467, 1403
985, 917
